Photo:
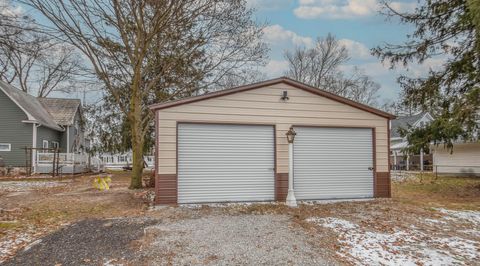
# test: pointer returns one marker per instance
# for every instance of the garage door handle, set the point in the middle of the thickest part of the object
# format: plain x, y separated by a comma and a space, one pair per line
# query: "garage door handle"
370, 168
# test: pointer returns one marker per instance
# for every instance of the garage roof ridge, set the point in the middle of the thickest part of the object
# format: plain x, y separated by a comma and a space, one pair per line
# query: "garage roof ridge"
260, 84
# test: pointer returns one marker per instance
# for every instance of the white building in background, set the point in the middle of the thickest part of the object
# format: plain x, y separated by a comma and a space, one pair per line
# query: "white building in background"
463, 160
121, 161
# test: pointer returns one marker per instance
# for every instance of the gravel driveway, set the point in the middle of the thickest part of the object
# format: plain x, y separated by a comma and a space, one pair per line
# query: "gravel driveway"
231, 240
209, 240
89, 242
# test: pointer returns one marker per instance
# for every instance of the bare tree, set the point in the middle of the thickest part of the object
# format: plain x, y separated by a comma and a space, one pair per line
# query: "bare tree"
146, 51
12, 22
39, 66
317, 65
31, 59
242, 77
356, 86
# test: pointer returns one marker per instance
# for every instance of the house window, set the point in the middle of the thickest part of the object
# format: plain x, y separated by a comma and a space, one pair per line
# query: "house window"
55, 144
45, 144
5, 147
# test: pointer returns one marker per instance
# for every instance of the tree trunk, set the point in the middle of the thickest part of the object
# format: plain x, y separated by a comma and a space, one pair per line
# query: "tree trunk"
137, 136
137, 167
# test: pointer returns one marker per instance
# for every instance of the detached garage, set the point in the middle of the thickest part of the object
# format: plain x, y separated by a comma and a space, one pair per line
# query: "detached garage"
231, 146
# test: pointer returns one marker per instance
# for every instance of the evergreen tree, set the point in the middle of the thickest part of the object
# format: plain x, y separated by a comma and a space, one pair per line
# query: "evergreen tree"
449, 29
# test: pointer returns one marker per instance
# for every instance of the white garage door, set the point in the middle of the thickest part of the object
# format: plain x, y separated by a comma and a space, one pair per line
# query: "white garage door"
222, 163
333, 163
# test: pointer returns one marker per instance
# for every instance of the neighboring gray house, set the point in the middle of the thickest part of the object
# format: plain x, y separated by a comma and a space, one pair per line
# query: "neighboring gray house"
397, 143
27, 121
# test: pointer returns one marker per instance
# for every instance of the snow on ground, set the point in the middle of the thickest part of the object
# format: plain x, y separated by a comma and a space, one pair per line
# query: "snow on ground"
315, 202
225, 205
401, 176
10, 243
11, 186
465, 216
402, 247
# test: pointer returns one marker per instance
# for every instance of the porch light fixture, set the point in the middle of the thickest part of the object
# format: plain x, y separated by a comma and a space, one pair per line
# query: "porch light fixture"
291, 200
285, 96
291, 135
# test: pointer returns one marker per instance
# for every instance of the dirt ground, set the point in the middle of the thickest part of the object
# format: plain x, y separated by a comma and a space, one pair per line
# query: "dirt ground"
32, 208
428, 221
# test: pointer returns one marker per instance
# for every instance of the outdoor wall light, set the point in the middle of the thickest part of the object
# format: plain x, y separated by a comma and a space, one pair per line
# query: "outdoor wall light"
291, 200
291, 135
285, 96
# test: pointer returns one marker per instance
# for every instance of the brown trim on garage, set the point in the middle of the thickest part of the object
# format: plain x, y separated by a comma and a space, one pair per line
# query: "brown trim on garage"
176, 163
223, 123
383, 185
389, 194
281, 186
328, 126
166, 185
388, 143
166, 189
266, 83
275, 162
155, 171
374, 151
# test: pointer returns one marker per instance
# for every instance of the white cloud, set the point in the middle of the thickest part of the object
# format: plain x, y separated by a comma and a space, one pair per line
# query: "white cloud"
277, 35
276, 68
268, 4
311, 9
344, 9
8, 9
403, 7
355, 49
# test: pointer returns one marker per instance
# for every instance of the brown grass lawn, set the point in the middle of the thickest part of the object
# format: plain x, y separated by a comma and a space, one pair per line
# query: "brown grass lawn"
39, 211
449, 192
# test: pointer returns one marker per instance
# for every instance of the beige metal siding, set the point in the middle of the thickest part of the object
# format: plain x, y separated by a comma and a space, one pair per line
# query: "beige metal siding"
264, 106
465, 159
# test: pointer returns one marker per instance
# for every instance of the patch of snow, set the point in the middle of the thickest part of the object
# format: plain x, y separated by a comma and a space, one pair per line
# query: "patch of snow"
468, 216
9, 244
402, 247
225, 205
467, 248
313, 202
12, 186
401, 176
434, 221
473, 232
333, 223
32, 244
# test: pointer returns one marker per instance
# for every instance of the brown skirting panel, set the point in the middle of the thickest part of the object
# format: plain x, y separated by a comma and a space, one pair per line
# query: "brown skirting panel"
166, 189
382, 185
281, 186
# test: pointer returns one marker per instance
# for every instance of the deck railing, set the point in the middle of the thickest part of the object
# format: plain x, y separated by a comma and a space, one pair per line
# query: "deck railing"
63, 158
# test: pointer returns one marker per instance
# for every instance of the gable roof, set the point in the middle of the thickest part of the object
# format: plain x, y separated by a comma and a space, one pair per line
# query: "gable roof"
30, 105
404, 122
285, 80
63, 111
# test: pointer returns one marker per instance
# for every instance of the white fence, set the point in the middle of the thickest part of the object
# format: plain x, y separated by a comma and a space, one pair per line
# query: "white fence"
67, 163
121, 161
